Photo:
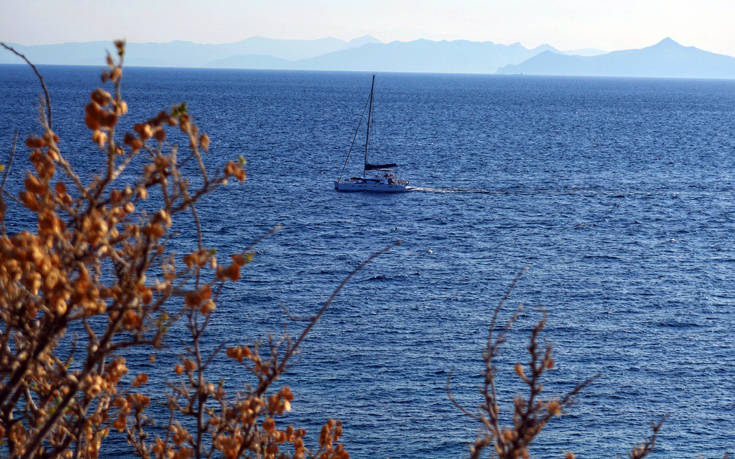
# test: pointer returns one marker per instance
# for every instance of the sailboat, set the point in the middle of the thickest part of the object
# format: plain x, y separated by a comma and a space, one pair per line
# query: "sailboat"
381, 178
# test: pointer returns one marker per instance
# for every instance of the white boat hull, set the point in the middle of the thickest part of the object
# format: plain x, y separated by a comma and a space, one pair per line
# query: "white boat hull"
382, 179
368, 185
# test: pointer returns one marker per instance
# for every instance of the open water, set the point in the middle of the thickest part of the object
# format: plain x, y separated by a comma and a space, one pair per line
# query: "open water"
619, 194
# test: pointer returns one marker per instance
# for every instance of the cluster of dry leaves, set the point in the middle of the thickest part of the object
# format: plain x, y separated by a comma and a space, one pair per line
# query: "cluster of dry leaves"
99, 264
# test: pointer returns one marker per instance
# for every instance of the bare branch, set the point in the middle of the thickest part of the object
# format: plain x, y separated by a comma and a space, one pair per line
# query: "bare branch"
505, 297
3, 206
644, 449
10, 160
331, 298
40, 78
448, 388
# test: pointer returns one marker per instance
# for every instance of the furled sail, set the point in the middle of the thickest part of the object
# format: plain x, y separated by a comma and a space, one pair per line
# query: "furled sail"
378, 167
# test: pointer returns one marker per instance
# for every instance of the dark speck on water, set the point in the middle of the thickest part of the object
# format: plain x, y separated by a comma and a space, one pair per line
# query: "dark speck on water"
617, 192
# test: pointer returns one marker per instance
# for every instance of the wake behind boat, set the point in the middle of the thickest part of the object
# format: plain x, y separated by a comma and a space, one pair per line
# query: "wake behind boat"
382, 177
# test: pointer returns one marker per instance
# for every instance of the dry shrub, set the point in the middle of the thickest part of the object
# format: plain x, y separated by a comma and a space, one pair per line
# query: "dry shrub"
531, 412
99, 264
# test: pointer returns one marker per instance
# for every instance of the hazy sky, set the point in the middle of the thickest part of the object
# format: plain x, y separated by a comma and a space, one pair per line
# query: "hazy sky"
565, 24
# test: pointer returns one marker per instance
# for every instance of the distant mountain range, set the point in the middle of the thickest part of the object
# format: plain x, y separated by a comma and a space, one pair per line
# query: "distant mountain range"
665, 59
364, 53
182, 53
414, 56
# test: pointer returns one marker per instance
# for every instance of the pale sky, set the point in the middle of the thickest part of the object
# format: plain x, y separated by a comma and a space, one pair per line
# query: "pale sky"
564, 24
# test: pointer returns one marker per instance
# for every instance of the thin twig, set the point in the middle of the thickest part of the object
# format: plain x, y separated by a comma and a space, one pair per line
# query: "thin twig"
40, 78
466, 412
271, 232
3, 206
10, 160
644, 449
506, 296
292, 350
292, 316
212, 356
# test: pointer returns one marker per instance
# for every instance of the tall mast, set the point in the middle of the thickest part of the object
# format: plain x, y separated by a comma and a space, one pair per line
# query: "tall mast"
367, 136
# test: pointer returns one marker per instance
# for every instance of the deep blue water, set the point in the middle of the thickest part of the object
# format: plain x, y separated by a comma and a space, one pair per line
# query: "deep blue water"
617, 192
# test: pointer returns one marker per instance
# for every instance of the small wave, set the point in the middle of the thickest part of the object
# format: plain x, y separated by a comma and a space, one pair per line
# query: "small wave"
383, 277
677, 324
601, 257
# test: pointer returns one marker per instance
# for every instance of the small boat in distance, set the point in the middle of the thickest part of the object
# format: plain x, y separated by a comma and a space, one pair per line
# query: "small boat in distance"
382, 177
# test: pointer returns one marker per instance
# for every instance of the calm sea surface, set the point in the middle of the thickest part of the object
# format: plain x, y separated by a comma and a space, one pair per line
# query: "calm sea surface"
617, 192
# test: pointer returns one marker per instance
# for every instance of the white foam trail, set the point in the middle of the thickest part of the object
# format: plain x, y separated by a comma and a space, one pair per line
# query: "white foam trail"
446, 190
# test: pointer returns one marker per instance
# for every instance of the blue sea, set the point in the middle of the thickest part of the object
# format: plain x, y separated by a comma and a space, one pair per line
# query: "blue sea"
619, 194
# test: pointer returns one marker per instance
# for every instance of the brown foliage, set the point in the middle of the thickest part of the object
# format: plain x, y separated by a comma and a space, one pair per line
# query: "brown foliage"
530, 413
98, 264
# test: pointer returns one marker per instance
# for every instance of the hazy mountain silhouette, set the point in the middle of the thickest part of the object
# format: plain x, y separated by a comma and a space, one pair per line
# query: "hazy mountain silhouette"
664, 59
459, 56
181, 53
360, 41
87, 53
363, 53
585, 52
255, 62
